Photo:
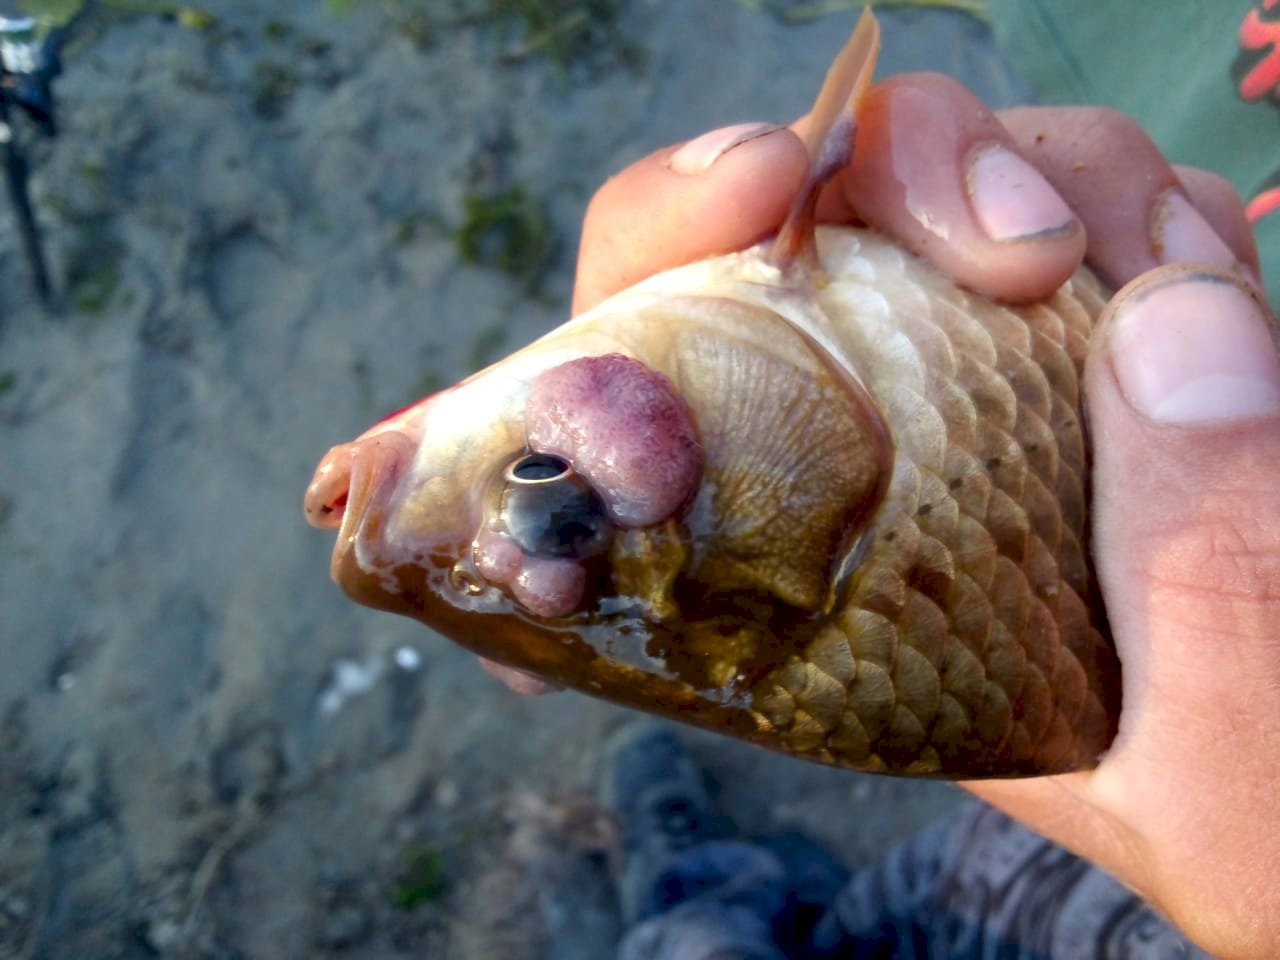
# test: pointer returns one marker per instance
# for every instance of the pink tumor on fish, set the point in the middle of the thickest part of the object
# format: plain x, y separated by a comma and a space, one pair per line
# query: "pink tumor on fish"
611, 444
625, 428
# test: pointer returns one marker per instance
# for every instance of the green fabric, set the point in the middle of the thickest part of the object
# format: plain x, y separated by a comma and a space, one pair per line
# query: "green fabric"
1168, 64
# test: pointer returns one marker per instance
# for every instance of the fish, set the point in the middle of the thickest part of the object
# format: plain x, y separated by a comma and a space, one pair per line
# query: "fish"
812, 495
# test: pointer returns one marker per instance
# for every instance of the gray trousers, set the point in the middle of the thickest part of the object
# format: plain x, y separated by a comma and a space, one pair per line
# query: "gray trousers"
976, 885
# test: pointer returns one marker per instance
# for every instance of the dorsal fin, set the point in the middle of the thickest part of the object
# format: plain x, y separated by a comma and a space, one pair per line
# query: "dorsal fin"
830, 139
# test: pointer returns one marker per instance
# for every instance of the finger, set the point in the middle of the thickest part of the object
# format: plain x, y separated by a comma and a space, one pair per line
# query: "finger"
1135, 211
1220, 205
1184, 401
719, 193
518, 681
1183, 393
935, 169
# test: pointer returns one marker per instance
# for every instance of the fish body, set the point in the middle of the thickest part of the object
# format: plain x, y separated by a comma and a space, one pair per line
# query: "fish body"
811, 494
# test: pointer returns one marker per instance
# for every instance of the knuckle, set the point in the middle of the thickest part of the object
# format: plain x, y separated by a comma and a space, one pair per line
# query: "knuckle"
1222, 574
1107, 133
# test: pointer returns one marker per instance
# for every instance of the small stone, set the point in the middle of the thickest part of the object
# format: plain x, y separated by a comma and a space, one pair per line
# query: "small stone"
163, 934
446, 795
407, 658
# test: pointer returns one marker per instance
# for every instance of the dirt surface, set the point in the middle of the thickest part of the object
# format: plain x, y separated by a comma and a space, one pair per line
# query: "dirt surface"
257, 234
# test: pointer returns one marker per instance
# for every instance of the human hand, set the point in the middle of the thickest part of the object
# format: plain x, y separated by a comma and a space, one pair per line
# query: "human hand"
1186, 507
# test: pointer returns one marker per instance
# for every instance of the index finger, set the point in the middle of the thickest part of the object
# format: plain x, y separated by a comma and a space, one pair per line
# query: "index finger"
719, 193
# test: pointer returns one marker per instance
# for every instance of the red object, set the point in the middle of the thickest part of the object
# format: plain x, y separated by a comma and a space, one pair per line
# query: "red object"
1265, 203
1263, 77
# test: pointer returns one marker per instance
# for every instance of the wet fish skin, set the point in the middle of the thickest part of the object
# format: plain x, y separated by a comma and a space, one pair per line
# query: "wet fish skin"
973, 641
964, 638
884, 562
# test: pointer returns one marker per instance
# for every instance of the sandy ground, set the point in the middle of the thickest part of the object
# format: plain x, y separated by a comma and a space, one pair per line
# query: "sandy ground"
253, 231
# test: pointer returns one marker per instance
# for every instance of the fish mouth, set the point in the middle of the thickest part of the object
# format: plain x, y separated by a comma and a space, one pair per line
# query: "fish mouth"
351, 492
325, 502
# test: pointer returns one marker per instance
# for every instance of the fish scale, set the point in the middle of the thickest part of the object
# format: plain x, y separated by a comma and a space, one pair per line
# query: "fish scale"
974, 608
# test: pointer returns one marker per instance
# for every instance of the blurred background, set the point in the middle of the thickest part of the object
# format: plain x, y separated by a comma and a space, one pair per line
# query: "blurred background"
265, 226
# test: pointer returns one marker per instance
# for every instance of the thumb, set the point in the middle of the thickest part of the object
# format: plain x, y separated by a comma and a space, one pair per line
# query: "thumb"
1183, 394
716, 194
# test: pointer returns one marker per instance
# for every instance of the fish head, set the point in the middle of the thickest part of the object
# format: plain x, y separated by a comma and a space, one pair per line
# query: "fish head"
642, 505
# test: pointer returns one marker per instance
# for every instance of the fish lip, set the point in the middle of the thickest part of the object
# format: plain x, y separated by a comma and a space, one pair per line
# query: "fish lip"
353, 490
324, 503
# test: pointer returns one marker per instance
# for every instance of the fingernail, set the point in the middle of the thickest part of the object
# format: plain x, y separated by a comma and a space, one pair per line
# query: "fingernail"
1179, 234
1195, 349
1010, 198
698, 155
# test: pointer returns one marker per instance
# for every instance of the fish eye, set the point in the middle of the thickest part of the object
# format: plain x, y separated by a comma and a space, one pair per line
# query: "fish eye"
547, 508
536, 467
